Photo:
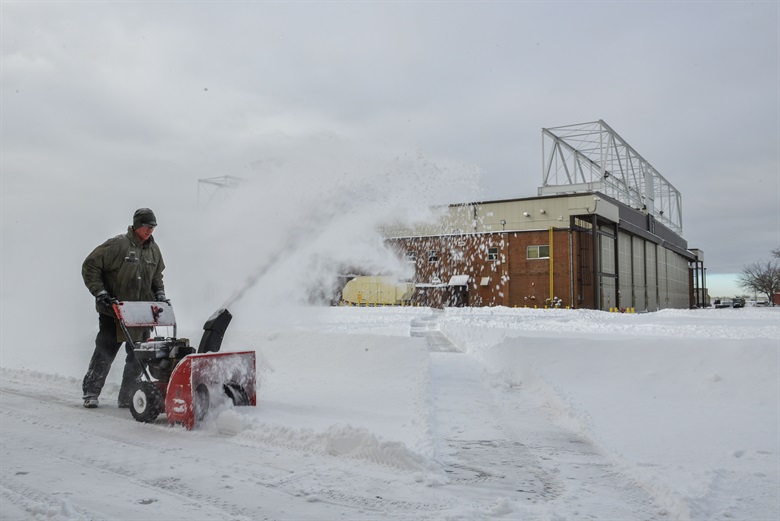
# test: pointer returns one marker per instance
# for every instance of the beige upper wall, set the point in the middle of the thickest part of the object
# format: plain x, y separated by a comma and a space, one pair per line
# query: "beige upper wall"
520, 215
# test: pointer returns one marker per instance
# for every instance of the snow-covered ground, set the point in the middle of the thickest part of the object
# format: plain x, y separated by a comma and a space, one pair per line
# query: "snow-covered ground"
417, 414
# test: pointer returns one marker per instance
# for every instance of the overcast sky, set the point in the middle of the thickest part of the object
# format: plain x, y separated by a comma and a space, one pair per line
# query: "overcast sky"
109, 106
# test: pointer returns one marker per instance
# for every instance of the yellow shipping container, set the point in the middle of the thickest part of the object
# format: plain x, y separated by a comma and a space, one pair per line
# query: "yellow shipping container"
372, 291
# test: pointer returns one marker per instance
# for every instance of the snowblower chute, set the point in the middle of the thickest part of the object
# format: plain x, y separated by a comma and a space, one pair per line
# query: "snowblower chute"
176, 380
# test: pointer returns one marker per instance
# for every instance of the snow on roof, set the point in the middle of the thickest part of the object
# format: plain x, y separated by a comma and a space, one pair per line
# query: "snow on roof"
459, 280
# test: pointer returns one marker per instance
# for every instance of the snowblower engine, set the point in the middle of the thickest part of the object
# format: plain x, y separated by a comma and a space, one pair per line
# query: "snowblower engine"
160, 355
176, 379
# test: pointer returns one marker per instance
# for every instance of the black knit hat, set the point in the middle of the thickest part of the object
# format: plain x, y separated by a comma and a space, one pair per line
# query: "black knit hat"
144, 217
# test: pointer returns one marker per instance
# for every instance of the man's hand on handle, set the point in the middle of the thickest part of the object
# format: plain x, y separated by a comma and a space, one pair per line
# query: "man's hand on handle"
103, 299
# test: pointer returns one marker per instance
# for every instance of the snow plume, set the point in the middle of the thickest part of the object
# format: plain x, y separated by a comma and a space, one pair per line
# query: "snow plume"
309, 211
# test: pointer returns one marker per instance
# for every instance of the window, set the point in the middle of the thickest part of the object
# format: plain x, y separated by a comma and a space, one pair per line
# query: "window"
411, 256
538, 252
485, 281
492, 254
433, 255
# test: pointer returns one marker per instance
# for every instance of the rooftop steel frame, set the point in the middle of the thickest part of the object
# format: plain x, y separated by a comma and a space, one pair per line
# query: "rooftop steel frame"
592, 157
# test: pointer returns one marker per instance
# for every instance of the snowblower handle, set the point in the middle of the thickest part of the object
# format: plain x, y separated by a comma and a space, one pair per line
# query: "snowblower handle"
144, 314
122, 324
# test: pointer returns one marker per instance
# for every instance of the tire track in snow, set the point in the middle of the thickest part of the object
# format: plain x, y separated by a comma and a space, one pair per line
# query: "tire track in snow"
489, 436
141, 465
108, 445
37, 467
474, 448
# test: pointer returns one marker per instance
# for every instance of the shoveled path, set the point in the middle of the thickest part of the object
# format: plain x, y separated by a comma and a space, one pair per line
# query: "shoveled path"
492, 436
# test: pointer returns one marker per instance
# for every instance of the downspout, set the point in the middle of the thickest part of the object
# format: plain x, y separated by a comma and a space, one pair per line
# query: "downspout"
596, 271
552, 277
571, 268
644, 267
505, 269
617, 266
704, 285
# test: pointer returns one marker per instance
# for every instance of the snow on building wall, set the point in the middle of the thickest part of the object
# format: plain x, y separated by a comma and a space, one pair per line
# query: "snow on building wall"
582, 250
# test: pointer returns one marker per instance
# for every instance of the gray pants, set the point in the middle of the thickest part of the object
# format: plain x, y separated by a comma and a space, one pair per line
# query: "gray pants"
106, 348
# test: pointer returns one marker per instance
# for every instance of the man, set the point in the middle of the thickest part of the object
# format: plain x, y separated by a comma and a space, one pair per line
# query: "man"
127, 267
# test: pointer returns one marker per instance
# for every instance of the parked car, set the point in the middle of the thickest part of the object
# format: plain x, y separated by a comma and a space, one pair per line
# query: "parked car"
736, 302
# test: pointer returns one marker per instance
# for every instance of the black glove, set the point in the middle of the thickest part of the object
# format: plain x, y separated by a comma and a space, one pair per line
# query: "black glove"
103, 300
160, 297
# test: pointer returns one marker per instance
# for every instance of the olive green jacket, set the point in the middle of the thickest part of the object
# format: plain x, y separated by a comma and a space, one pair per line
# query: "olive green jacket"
125, 268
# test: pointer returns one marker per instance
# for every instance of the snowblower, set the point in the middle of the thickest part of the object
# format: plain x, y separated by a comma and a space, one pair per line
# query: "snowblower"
176, 379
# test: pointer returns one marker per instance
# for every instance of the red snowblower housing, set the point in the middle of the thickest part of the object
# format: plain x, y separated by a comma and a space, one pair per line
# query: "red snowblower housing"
174, 378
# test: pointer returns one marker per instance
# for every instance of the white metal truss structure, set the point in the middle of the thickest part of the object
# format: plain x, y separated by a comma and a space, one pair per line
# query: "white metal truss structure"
592, 157
210, 187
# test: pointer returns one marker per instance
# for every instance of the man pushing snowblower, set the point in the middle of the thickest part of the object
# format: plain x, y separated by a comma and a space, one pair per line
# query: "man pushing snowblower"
128, 267
161, 373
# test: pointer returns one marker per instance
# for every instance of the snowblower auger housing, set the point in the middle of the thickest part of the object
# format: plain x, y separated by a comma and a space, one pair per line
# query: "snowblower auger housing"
174, 378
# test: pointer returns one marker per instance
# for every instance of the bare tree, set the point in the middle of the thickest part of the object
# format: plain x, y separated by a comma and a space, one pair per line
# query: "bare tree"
776, 253
761, 277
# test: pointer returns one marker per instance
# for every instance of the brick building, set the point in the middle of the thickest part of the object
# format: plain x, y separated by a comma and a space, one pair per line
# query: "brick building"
605, 231
587, 250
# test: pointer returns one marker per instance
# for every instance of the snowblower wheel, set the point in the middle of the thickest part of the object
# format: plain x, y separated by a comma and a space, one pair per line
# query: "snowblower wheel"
236, 393
200, 402
147, 402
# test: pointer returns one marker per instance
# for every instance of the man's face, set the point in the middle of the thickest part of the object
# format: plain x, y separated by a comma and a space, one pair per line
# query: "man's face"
144, 232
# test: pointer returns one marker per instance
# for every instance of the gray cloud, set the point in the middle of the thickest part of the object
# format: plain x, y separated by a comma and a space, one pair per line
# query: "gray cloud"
118, 105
